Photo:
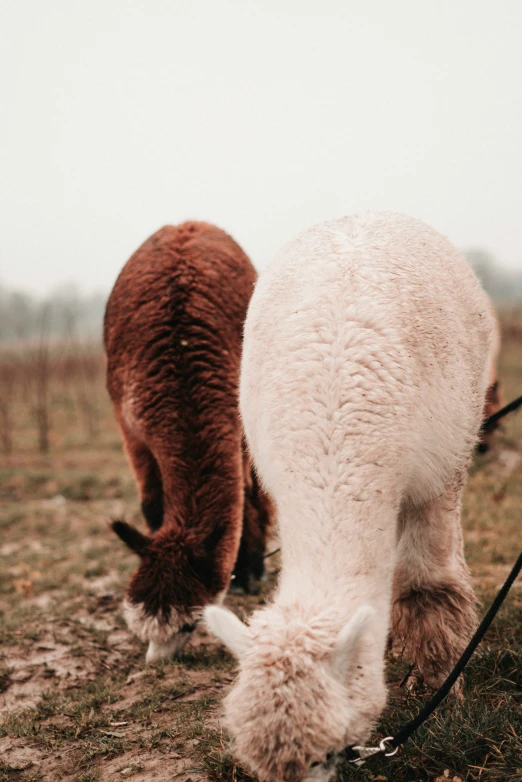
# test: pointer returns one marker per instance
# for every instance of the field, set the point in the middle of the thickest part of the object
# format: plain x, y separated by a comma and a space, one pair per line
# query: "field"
76, 700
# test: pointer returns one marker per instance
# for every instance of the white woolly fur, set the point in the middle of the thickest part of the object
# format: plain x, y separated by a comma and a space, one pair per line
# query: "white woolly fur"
365, 365
164, 636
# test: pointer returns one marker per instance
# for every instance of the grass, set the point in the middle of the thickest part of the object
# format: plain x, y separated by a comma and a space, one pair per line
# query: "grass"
480, 738
76, 701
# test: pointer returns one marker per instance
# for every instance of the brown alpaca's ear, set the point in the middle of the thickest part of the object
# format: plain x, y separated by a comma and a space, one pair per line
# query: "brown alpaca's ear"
135, 540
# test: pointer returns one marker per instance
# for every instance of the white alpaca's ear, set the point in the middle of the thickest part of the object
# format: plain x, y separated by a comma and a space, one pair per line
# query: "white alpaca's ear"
348, 643
228, 628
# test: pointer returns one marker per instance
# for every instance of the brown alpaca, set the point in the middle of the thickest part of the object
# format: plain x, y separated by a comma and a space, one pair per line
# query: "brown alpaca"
494, 397
172, 334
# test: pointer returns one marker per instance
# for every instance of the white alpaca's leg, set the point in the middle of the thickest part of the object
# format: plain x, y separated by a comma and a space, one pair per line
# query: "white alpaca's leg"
434, 612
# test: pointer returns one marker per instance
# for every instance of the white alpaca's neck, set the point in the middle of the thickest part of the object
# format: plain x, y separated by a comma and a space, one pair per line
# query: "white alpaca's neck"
345, 566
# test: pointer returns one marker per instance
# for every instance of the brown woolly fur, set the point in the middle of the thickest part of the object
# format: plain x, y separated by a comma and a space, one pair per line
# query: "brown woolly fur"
172, 334
494, 402
433, 628
434, 611
258, 512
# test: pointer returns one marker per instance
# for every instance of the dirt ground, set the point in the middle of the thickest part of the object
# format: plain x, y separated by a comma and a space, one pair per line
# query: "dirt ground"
76, 699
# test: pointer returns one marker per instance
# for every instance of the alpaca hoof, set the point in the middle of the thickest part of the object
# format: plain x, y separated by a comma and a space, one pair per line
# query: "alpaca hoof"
455, 695
246, 584
236, 589
411, 682
415, 678
395, 647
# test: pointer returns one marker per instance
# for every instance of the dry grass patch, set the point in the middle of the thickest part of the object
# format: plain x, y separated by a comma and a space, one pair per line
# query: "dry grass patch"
76, 701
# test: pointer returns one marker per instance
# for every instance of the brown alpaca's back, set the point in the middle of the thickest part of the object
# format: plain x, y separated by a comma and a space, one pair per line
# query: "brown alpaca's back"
173, 332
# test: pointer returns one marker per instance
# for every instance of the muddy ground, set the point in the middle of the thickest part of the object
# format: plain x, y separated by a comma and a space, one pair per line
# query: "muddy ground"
76, 699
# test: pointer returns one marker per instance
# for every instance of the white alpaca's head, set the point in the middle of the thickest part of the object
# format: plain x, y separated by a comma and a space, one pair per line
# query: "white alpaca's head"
303, 692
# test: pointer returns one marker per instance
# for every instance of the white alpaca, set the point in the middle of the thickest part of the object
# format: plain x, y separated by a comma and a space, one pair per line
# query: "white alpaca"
364, 372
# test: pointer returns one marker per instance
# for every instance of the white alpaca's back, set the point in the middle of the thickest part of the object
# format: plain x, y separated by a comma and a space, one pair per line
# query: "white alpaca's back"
365, 332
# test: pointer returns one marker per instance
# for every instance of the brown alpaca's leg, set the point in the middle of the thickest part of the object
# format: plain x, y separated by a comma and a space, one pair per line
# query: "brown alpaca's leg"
148, 478
257, 516
493, 403
434, 606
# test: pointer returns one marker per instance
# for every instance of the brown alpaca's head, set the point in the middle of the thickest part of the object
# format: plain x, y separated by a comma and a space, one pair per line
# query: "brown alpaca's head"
177, 576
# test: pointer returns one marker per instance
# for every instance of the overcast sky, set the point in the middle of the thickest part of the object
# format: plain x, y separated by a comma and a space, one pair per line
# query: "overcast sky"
118, 116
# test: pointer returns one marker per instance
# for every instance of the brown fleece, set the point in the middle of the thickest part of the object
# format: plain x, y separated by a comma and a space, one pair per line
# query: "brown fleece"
172, 334
258, 512
433, 626
494, 400
493, 403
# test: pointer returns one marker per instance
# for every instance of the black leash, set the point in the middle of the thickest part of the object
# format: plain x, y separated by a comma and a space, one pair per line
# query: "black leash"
439, 696
394, 742
488, 423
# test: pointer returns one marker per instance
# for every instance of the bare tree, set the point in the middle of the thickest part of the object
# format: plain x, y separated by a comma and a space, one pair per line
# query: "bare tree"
86, 367
42, 378
7, 385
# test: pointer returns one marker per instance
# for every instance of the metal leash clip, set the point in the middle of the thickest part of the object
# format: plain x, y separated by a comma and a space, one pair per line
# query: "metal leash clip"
367, 752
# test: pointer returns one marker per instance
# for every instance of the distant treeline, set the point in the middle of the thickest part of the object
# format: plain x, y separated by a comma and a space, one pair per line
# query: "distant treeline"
503, 285
68, 313
65, 313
